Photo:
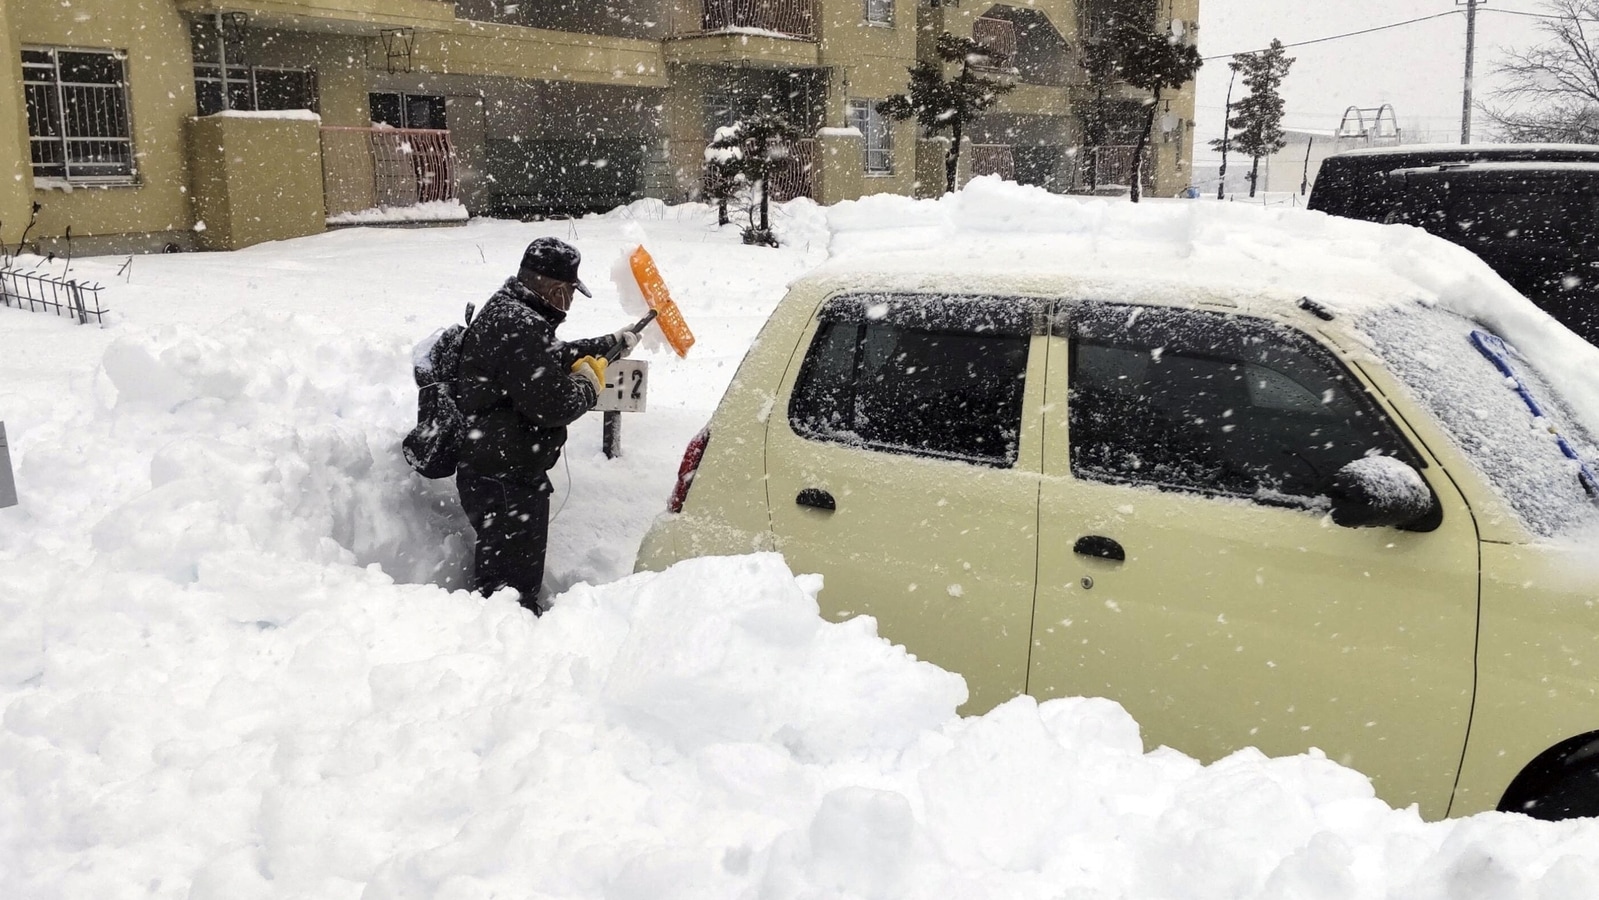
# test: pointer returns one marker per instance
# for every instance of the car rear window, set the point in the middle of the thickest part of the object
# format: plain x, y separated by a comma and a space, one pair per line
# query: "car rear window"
935, 376
1487, 413
1527, 219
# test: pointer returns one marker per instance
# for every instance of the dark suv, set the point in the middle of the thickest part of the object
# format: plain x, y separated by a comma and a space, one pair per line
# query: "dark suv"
1531, 211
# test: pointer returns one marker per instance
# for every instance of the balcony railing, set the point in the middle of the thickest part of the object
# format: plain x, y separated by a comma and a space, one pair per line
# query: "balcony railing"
386, 168
793, 18
993, 159
1095, 20
1111, 166
999, 36
794, 177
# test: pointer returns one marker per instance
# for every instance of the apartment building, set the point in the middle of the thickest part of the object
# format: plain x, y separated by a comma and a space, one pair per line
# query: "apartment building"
137, 125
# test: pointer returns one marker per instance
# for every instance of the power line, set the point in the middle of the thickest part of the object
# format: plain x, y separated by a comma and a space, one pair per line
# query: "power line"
1349, 34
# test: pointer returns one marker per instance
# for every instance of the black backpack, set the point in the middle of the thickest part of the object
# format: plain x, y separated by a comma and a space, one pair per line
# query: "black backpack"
434, 445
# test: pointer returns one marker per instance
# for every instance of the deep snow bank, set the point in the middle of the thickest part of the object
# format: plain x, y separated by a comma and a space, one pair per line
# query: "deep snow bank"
208, 689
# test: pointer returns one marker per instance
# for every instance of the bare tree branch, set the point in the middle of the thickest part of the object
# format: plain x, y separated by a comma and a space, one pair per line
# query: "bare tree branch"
1551, 90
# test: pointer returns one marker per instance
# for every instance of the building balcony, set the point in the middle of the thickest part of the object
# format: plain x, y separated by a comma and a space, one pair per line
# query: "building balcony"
356, 17
1095, 19
761, 33
407, 174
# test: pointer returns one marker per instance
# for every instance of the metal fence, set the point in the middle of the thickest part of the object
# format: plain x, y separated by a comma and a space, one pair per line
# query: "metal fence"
367, 168
40, 291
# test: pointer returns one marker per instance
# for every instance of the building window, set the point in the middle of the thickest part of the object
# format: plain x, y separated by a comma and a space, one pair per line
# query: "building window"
223, 80
252, 88
879, 134
77, 114
408, 110
880, 12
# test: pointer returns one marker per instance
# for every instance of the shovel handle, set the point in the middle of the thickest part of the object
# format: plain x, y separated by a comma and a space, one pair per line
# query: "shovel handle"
616, 352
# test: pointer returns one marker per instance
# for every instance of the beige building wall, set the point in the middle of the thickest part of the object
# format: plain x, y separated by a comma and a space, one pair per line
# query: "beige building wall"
153, 209
16, 176
1176, 163
503, 79
867, 61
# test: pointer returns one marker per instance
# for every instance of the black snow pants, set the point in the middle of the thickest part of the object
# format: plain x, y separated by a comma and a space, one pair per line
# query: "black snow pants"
512, 521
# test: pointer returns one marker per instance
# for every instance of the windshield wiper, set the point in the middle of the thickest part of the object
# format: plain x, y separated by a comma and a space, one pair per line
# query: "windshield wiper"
1498, 353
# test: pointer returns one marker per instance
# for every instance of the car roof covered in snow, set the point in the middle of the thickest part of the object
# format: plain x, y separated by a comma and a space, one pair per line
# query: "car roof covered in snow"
1483, 151
996, 236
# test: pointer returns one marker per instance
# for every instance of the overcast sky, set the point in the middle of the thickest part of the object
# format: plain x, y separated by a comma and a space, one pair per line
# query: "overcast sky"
1417, 68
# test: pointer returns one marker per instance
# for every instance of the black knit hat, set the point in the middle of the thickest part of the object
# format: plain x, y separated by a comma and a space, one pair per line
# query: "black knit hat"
554, 258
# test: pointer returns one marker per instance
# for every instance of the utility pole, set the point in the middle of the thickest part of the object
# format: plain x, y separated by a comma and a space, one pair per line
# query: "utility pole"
1471, 57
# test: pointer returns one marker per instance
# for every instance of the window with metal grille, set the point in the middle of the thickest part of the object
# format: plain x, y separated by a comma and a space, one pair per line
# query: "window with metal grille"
77, 114
880, 12
252, 88
408, 110
222, 79
879, 134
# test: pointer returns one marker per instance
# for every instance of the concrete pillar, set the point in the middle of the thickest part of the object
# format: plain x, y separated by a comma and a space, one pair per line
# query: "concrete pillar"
255, 179
840, 172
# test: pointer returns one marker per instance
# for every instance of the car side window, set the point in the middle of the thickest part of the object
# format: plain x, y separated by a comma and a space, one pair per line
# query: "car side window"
1215, 403
940, 377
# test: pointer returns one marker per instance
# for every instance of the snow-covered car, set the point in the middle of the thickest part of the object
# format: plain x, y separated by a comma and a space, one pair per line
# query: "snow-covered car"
1268, 480
1526, 209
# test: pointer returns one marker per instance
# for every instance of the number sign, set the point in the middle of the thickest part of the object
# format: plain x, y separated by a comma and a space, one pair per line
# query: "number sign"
626, 383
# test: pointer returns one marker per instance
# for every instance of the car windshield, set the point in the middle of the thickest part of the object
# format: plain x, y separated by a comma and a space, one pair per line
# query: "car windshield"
1498, 409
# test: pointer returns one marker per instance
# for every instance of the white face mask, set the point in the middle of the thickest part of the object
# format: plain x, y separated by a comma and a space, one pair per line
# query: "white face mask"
558, 294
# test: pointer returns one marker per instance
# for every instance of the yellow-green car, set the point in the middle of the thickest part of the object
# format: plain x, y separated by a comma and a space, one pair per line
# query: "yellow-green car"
1253, 519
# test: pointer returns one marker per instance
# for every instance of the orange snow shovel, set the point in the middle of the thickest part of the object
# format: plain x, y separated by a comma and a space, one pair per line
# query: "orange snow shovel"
656, 295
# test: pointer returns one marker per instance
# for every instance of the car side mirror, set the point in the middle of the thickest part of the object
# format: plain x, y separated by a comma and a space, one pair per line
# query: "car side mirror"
1383, 492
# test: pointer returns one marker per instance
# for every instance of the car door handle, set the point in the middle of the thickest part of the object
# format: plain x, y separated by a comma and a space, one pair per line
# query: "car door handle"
1100, 547
816, 498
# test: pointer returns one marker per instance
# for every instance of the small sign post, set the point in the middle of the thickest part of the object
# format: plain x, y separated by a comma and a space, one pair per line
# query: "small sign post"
8, 483
626, 386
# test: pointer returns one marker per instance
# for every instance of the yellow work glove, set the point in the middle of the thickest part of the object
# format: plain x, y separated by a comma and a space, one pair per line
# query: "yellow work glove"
592, 368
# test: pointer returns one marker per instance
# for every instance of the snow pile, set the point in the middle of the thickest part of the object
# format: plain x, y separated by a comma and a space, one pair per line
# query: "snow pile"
231, 665
427, 211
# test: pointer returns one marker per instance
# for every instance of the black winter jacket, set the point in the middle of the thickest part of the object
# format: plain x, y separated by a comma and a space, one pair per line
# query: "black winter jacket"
515, 386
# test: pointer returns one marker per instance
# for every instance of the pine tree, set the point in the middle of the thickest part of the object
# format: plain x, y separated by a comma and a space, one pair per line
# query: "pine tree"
1152, 61
940, 103
1257, 119
747, 153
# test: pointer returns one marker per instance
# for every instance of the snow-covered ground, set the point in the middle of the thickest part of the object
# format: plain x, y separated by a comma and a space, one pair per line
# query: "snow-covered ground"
232, 664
